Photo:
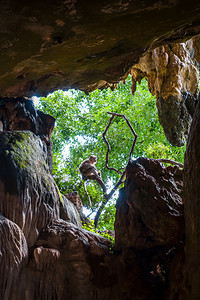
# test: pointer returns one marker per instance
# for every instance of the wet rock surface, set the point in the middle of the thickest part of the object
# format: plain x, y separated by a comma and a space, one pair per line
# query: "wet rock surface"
62, 264
69, 212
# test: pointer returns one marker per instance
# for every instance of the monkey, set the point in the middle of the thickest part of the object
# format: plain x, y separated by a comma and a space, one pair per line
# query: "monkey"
88, 168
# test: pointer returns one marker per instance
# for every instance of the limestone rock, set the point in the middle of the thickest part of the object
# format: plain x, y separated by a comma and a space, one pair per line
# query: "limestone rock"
173, 76
13, 256
150, 208
177, 288
45, 258
21, 114
47, 46
192, 208
69, 212
76, 200
67, 262
28, 194
66, 265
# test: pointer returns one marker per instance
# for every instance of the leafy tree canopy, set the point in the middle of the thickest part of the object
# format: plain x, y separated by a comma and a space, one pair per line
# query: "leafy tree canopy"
80, 121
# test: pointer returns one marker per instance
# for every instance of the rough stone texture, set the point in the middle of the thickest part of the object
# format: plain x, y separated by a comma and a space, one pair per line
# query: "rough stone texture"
192, 208
76, 200
67, 262
13, 256
61, 267
86, 44
83, 44
150, 209
28, 195
173, 76
69, 212
178, 290
21, 114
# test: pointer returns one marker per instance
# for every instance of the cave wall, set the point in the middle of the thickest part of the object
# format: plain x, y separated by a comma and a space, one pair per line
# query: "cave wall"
84, 44
45, 254
172, 72
192, 200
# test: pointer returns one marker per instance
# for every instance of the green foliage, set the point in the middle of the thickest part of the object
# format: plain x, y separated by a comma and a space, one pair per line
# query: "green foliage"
105, 233
80, 121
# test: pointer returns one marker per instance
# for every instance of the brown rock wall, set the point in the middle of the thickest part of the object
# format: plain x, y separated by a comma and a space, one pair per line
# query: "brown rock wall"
28, 195
13, 256
172, 74
82, 44
192, 208
150, 208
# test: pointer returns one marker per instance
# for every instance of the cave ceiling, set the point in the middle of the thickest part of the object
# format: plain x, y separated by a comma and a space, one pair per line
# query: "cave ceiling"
49, 45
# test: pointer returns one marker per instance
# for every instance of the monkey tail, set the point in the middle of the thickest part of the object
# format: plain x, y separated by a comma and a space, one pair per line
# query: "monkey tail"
85, 188
103, 204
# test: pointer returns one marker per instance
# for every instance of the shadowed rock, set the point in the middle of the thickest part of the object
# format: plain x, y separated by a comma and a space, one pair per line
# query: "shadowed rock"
66, 263
82, 44
13, 256
192, 208
28, 194
172, 74
69, 212
21, 114
150, 208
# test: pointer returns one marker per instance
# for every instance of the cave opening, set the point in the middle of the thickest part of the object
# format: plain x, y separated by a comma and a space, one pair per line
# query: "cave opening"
80, 121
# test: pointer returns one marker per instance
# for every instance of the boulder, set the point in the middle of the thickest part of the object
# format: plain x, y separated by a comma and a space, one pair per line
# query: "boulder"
150, 207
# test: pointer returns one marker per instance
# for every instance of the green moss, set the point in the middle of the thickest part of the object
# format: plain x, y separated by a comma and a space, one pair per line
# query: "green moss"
21, 148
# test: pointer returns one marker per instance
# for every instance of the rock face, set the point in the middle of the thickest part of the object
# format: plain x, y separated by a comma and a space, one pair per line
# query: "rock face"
26, 185
192, 206
150, 208
172, 74
69, 212
84, 44
79, 44
62, 264
149, 222
13, 256
46, 257
21, 114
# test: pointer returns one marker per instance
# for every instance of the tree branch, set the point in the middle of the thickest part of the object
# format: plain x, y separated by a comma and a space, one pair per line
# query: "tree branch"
107, 198
108, 145
169, 161
130, 126
123, 174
